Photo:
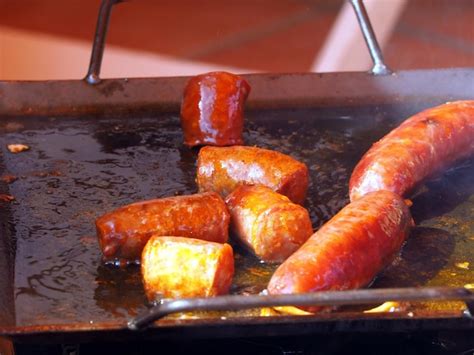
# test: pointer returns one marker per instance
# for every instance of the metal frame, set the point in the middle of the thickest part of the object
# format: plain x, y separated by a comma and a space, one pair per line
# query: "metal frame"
93, 74
379, 67
98, 46
418, 88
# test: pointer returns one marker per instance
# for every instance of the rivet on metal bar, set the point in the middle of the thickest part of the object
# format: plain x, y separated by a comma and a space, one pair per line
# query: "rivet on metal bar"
379, 67
93, 73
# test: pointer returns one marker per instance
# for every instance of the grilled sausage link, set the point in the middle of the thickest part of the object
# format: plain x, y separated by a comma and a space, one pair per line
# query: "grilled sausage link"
268, 223
176, 267
212, 109
349, 250
221, 169
124, 232
421, 146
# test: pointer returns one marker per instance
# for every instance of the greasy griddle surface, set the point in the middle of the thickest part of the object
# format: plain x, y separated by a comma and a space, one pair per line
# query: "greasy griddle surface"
78, 169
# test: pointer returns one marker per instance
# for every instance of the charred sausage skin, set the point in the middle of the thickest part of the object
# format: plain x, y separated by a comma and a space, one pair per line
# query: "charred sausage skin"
222, 169
124, 232
176, 267
268, 223
212, 109
349, 250
424, 144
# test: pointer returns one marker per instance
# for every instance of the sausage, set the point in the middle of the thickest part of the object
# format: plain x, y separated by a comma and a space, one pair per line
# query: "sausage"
221, 169
267, 223
175, 267
349, 250
212, 109
124, 232
421, 146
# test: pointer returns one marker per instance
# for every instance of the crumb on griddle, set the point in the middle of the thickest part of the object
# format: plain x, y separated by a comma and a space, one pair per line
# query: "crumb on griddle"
17, 148
6, 198
464, 265
8, 178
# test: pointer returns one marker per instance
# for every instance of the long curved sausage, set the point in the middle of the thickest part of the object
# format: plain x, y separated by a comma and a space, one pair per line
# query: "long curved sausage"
421, 146
222, 169
212, 109
124, 232
349, 250
176, 267
268, 223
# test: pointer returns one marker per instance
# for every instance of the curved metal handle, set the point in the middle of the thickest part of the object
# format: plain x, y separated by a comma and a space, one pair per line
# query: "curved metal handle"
93, 73
322, 298
379, 67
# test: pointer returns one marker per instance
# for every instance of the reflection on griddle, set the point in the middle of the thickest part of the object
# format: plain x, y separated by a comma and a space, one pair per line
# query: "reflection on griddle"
119, 291
444, 192
425, 253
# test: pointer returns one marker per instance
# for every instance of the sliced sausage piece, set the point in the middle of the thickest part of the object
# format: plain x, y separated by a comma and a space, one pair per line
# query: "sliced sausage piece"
268, 223
221, 169
177, 267
421, 146
212, 109
124, 232
349, 250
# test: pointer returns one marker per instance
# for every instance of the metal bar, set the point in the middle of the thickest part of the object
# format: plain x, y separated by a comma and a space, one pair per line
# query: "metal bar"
326, 298
411, 91
93, 73
379, 67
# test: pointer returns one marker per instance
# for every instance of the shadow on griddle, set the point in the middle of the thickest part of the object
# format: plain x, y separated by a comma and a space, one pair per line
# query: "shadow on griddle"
426, 252
444, 193
119, 291
251, 275
117, 138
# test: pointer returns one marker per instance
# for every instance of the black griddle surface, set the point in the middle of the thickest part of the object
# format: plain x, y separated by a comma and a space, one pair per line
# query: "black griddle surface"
77, 169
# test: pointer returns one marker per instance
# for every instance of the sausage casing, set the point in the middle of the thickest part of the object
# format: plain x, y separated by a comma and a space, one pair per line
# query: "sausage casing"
124, 232
212, 109
176, 267
421, 146
268, 223
349, 250
221, 169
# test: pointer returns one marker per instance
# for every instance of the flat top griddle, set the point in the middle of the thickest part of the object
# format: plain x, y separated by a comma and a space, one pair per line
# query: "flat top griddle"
79, 168
99, 144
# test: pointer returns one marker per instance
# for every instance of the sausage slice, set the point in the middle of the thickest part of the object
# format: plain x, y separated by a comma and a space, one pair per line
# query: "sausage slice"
176, 267
124, 232
212, 109
268, 223
349, 250
221, 169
